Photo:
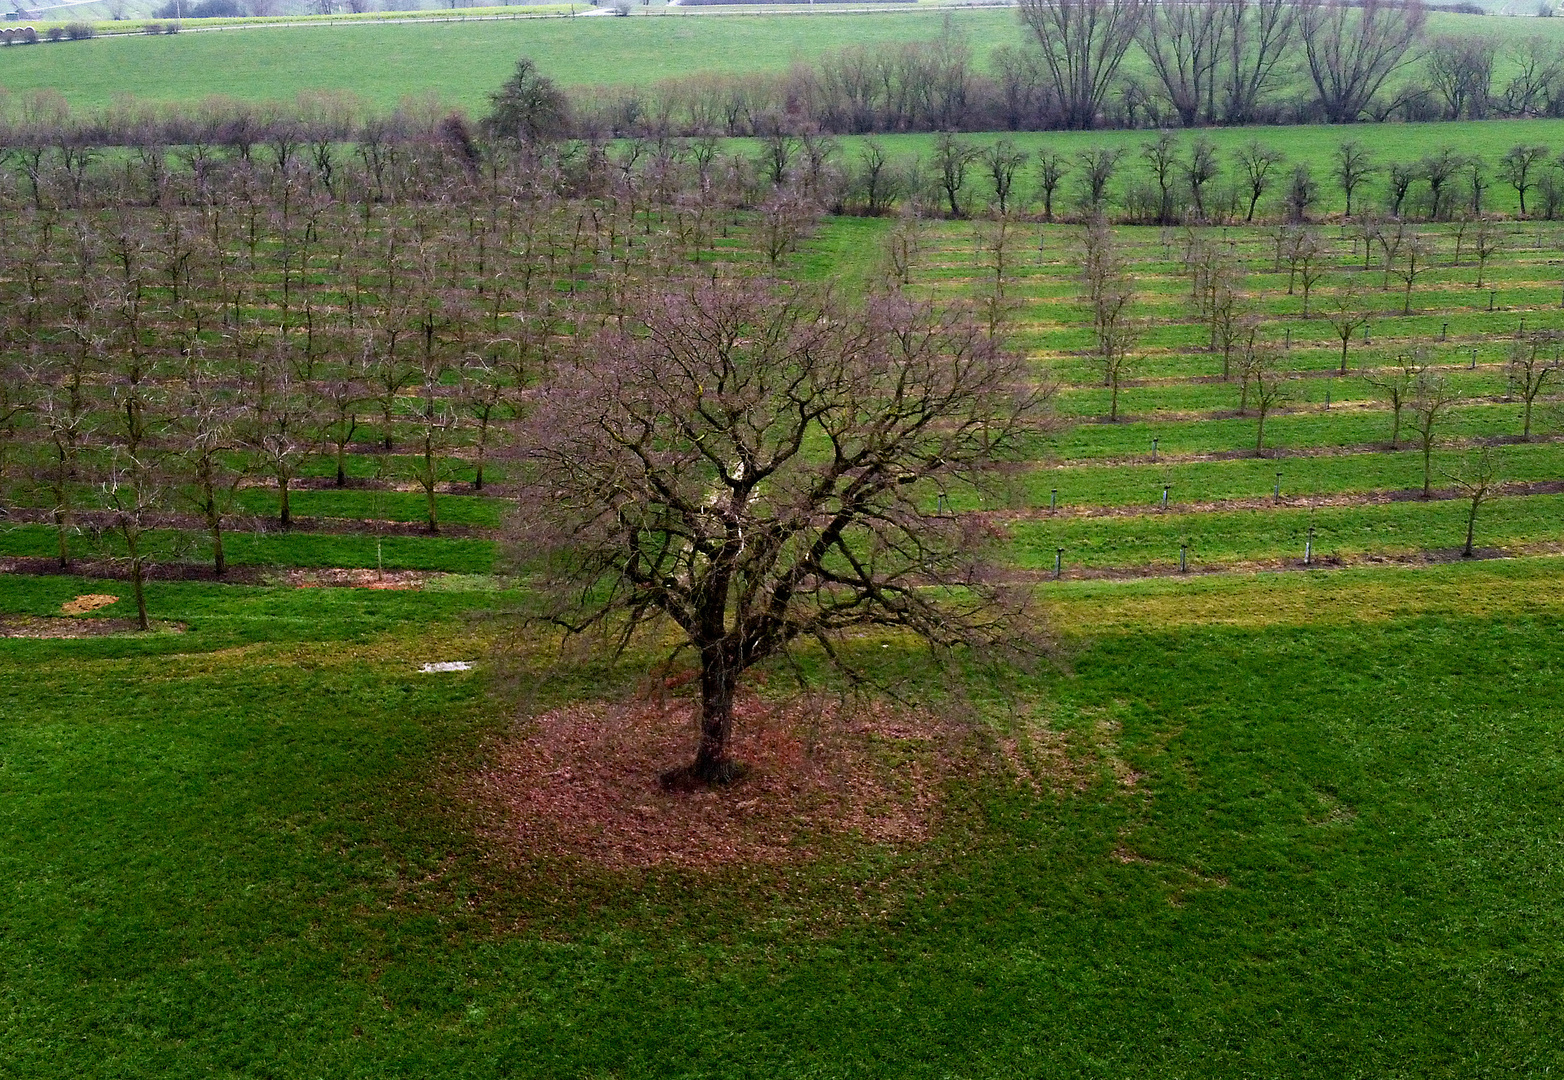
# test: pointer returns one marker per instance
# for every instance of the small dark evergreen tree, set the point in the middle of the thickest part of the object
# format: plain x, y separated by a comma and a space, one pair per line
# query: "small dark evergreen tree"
528, 109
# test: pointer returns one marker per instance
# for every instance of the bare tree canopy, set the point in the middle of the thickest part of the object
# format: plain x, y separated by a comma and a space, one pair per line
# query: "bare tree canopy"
755, 465
1352, 47
1184, 39
1083, 43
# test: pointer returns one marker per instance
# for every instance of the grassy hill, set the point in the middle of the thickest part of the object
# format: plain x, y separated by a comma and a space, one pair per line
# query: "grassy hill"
460, 62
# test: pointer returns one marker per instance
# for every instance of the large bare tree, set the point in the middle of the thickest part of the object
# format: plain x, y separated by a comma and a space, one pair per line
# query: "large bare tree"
1184, 40
1353, 46
754, 465
1083, 44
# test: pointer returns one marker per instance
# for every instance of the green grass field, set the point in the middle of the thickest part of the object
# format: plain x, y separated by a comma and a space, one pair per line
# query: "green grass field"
1258, 820
459, 63
234, 850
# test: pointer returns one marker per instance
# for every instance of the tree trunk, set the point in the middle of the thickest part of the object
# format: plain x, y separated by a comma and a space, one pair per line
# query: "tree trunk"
719, 679
1471, 526
219, 558
284, 511
138, 584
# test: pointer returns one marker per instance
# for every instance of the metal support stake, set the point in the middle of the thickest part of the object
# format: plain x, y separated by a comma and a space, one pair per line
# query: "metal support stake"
1053, 500
1183, 558
1058, 561
1277, 491
1308, 547
1165, 496
1153, 449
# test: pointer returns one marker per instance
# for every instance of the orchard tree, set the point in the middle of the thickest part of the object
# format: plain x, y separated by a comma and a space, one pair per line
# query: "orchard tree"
1533, 359
1265, 383
1520, 166
1352, 166
754, 466
1396, 386
1345, 315
1432, 398
1478, 481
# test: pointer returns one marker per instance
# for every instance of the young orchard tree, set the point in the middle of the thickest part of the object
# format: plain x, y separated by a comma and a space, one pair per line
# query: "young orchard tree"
204, 475
1478, 480
1519, 167
953, 157
1397, 385
16, 400
1353, 164
1345, 315
903, 245
1485, 245
1302, 193
1161, 158
751, 464
1400, 179
1051, 171
132, 495
1097, 166
876, 179
1003, 161
1200, 168
996, 244
1265, 384
1110, 293
277, 432
1414, 258
1432, 398
1257, 162
1312, 257
342, 394
1533, 359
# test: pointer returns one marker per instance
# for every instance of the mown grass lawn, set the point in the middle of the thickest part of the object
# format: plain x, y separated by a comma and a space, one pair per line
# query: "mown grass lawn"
236, 850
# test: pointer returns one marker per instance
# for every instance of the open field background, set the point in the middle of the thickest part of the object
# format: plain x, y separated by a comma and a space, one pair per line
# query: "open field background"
460, 63
1264, 818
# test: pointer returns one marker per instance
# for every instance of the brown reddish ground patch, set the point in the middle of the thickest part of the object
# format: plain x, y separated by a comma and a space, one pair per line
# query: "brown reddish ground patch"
582, 782
55, 626
357, 579
90, 602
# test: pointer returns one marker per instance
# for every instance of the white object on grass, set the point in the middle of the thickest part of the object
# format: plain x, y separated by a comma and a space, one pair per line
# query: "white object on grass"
447, 665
